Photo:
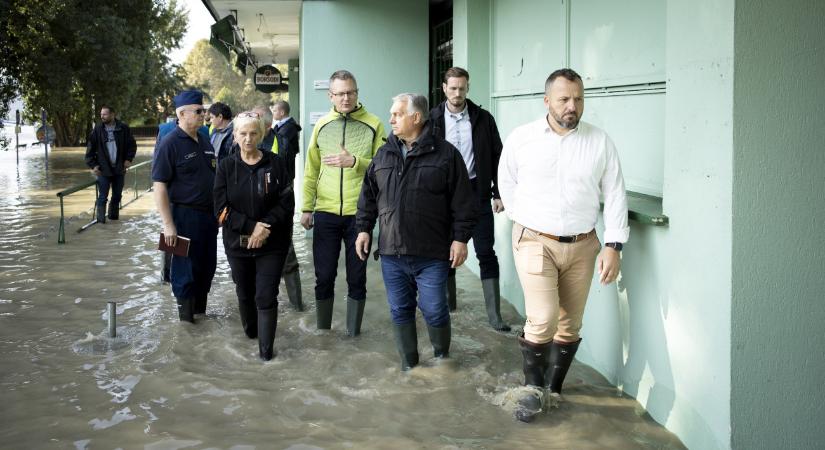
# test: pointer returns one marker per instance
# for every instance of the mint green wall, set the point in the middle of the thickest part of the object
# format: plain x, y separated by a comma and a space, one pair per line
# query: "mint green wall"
662, 333
778, 182
384, 44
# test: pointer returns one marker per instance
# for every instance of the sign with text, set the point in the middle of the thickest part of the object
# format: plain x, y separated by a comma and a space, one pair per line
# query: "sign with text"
268, 79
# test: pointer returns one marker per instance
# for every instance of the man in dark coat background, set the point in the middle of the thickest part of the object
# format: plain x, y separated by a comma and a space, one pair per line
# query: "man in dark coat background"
110, 150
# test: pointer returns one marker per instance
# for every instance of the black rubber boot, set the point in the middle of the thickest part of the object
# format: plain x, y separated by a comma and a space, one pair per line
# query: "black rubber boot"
406, 340
561, 356
267, 323
292, 281
536, 358
451, 297
200, 303
249, 318
492, 300
101, 213
114, 210
355, 312
440, 338
186, 311
323, 313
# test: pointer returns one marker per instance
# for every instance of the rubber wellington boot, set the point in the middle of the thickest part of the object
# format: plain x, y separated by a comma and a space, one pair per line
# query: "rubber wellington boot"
406, 340
249, 318
355, 312
267, 322
535, 365
101, 213
200, 303
492, 300
561, 356
440, 338
323, 313
451, 297
114, 210
186, 312
292, 281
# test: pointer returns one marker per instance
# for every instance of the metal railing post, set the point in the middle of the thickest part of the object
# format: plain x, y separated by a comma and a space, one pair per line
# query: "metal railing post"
61, 232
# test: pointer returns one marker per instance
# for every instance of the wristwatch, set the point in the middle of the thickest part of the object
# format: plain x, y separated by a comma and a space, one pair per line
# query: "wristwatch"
615, 246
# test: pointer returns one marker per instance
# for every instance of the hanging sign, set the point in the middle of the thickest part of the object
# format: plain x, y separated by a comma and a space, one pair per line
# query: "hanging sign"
268, 79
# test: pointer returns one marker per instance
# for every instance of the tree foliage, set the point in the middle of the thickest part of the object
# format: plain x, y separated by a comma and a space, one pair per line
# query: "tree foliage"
72, 56
209, 71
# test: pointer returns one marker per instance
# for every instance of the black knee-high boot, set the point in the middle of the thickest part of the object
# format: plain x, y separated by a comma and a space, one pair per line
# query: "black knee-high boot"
536, 358
267, 322
561, 356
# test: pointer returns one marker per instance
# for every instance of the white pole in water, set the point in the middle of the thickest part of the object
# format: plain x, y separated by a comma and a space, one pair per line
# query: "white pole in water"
111, 308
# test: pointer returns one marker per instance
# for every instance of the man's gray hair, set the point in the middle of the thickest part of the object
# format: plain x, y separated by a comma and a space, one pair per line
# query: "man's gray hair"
416, 103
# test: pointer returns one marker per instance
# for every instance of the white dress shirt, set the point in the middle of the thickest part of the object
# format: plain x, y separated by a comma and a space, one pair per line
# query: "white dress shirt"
459, 132
553, 184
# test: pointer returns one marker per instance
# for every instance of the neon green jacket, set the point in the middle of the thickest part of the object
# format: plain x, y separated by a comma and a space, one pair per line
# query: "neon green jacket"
333, 189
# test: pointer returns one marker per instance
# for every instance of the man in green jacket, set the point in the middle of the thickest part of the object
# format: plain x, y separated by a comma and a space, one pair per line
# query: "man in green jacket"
341, 148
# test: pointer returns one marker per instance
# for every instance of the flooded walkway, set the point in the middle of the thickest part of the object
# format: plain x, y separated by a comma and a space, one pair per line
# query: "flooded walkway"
162, 384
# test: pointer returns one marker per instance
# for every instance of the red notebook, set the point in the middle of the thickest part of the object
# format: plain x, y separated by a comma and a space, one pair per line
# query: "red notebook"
181, 247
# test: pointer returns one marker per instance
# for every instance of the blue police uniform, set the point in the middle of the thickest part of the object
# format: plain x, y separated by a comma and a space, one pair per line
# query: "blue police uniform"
188, 169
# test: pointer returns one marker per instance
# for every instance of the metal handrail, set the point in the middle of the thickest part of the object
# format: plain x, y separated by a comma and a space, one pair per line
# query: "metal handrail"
61, 231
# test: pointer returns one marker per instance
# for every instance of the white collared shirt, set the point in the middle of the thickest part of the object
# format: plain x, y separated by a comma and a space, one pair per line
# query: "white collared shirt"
553, 184
459, 132
278, 123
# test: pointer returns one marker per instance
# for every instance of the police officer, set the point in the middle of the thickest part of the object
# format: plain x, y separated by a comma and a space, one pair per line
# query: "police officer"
183, 172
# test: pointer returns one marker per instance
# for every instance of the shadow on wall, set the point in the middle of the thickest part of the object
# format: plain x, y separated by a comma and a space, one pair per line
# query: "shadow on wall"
644, 366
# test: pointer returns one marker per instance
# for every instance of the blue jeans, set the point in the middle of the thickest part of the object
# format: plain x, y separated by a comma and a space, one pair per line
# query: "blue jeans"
104, 183
328, 232
404, 276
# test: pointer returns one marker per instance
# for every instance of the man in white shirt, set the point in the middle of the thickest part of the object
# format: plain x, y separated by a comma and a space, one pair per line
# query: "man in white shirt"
551, 176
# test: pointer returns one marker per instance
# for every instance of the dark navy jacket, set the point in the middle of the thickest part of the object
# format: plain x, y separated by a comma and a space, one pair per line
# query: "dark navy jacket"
187, 167
97, 154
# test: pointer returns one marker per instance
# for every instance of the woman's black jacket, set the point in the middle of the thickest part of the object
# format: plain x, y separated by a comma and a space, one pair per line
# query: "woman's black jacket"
247, 194
422, 203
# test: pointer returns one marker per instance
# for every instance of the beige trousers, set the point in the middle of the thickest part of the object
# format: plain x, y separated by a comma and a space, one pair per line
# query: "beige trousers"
555, 278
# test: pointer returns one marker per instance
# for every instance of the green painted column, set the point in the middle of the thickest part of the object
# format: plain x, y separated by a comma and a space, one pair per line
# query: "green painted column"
778, 312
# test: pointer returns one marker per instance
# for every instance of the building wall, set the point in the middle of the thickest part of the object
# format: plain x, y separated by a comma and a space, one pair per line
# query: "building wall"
662, 333
778, 165
384, 44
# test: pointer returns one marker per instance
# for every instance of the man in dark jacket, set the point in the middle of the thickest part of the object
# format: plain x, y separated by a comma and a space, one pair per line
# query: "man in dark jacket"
417, 185
473, 132
220, 133
285, 131
110, 150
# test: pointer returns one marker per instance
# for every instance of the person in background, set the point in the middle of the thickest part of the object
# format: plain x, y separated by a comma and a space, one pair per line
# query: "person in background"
221, 130
254, 202
110, 150
473, 131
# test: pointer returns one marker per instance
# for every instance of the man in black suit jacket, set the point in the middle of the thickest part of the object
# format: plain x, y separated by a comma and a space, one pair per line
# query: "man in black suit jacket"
473, 131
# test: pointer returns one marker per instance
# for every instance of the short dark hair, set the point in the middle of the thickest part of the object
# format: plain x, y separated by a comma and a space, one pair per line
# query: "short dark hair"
342, 75
456, 72
282, 105
567, 74
221, 109
111, 110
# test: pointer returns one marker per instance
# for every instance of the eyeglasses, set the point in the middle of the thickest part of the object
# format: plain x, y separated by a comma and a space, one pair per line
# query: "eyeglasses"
344, 94
251, 114
198, 111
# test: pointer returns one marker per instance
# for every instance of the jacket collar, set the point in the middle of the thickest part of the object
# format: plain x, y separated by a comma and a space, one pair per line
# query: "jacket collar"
472, 109
423, 145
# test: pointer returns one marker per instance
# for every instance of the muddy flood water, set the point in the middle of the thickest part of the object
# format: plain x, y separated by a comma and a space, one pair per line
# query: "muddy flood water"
162, 384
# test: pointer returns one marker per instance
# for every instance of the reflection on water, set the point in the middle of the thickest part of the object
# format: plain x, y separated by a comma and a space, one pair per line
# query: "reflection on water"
162, 384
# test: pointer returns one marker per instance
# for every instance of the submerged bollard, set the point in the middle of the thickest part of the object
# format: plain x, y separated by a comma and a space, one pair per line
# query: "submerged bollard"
111, 308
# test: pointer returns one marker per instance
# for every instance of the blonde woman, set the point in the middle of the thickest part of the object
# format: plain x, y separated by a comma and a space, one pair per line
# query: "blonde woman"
254, 203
